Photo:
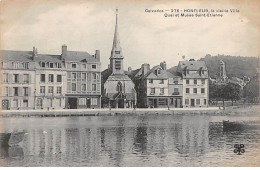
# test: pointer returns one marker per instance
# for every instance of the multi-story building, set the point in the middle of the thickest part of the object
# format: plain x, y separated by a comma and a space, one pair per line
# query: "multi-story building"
17, 80
83, 79
195, 83
50, 80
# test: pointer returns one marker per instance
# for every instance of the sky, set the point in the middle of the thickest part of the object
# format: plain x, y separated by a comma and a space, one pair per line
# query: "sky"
145, 37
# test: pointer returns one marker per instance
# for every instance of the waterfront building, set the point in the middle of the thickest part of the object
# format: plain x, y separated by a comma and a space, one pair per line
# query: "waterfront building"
17, 80
83, 79
50, 81
117, 88
195, 83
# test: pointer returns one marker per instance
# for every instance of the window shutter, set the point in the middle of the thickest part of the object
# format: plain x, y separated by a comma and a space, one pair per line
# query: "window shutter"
20, 78
78, 87
10, 78
78, 75
20, 91
11, 91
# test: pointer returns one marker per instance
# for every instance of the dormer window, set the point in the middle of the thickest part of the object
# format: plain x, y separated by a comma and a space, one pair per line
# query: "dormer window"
117, 52
43, 64
202, 71
26, 65
94, 66
74, 65
162, 81
51, 65
58, 65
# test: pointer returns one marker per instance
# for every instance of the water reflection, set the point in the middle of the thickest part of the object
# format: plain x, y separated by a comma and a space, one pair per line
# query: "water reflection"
125, 141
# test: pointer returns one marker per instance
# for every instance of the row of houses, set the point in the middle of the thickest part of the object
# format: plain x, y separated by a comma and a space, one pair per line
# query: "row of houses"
73, 80
42, 81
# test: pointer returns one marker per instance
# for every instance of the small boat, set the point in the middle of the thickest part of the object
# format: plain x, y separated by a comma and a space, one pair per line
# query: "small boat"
11, 139
232, 126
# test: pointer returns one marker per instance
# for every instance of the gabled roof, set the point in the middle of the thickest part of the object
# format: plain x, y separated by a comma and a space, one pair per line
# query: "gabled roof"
10, 55
118, 77
79, 56
192, 65
151, 73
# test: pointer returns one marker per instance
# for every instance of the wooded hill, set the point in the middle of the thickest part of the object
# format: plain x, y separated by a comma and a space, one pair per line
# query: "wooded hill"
235, 66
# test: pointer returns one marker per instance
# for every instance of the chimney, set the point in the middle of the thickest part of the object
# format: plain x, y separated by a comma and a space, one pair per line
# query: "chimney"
163, 65
34, 52
145, 68
129, 69
108, 66
63, 51
97, 55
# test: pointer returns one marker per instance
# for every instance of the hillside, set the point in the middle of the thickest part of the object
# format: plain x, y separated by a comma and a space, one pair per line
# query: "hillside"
235, 66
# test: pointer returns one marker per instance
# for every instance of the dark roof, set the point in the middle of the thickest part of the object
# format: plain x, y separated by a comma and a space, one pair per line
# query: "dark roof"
79, 56
11, 55
162, 75
48, 58
133, 73
193, 65
118, 77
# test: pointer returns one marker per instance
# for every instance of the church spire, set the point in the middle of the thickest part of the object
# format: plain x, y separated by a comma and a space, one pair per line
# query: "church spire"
116, 51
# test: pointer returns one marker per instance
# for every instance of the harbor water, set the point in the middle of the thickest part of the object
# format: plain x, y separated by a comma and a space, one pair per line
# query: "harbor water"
124, 140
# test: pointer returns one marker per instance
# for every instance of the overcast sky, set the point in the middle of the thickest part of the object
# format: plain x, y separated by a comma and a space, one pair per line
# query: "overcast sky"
145, 37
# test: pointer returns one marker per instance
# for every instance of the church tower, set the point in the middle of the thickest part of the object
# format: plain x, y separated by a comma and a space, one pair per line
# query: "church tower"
116, 58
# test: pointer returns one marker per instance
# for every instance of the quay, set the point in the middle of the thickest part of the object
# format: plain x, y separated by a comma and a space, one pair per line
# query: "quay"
137, 111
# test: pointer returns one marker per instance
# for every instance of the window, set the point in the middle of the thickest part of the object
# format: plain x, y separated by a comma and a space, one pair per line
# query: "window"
15, 91
94, 76
84, 66
151, 81
16, 78
59, 78
59, 90
58, 65
51, 65
26, 78
195, 81
82, 101
94, 101
187, 81
6, 91
84, 76
203, 81
162, 101
161, 81
5, 79
74, 87
49, 101
117, 52
25, 91
175, 82
188, 71
5, 64
152, 90
42, 77
51, 77
25, 103
74, 65
205, 101
26, 65
59, 102
161, 90
15, 103
202, 90
186, 101
176, 90
94, 66
15, 65
84, 87
43, 64
50, 89
117, 65
158, 71
202, 71
119, 87
195, 90
197, 101
171, 101
94, 87
42, 89
74, 75
187, 90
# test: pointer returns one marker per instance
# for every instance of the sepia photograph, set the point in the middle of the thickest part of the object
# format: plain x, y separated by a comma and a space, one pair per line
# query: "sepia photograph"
152, 83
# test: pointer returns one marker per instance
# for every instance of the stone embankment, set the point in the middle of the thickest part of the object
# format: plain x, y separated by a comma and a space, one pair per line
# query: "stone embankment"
138, 111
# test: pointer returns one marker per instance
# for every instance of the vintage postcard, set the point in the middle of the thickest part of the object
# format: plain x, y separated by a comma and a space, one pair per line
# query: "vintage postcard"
153, 83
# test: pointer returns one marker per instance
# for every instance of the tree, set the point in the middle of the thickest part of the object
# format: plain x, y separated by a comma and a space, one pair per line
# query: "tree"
251, 91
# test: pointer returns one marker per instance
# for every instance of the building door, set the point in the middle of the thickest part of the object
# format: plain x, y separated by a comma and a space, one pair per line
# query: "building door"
39, 103
192, 102
121, 103
88, 103
155, 103
72, 103
5, 104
